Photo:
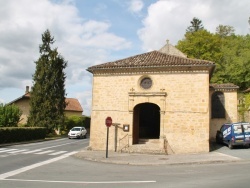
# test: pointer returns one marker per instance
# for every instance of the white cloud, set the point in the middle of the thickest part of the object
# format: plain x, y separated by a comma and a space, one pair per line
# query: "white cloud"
136, 5
81, 42
169, 19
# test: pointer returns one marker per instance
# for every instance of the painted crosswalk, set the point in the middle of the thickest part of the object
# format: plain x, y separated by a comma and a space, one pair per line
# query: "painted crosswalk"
5, 152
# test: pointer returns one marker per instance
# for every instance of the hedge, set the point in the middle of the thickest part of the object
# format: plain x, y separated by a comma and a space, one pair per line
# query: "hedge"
20, 134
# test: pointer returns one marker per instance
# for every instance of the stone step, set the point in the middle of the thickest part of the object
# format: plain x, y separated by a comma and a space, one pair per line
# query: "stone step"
151, 146
140, 148
150, 141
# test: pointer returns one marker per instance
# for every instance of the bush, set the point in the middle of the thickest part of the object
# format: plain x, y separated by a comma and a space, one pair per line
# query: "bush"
9, 115
77, 121
19, 134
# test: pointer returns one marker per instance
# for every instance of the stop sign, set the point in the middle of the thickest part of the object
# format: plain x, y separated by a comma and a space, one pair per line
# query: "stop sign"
108, 121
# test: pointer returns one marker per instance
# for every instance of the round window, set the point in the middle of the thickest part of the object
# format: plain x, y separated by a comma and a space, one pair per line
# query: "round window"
146, 83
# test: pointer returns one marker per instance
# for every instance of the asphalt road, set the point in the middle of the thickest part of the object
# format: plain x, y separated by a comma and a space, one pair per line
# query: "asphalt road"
41, 169
19, 156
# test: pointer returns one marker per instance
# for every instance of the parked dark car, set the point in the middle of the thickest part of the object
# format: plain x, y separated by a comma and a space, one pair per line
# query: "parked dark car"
234, 134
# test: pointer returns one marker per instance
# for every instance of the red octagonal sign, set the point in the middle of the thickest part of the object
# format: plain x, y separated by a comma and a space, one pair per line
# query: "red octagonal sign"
108, 121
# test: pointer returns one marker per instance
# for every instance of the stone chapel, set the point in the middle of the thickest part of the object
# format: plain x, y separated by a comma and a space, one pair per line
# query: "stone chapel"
160, 102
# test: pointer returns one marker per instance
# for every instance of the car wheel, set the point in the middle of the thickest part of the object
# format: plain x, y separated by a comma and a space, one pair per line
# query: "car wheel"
230, 145
85, 136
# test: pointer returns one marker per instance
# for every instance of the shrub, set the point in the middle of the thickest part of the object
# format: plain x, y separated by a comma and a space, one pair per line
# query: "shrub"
77, 121
19, 134
9, 115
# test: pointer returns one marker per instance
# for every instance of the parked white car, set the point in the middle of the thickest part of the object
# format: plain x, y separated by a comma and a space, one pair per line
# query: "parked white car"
77, 132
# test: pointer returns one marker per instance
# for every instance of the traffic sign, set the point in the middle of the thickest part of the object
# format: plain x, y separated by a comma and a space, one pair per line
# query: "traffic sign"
108, 121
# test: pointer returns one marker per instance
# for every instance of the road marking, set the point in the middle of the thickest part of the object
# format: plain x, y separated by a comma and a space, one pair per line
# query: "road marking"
43, 152
7, 150
222, 154
32, 151
4, 155
57, 153
59, 145
18, 151
37, 151
26, 168
84, 182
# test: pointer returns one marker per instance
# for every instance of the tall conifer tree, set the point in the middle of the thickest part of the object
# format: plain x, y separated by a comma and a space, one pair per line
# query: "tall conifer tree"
48, 92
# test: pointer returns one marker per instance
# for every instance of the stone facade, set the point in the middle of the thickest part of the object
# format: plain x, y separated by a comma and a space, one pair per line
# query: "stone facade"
173, 110
231, 108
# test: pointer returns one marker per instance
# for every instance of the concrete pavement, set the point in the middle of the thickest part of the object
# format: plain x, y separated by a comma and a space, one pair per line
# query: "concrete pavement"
152, 159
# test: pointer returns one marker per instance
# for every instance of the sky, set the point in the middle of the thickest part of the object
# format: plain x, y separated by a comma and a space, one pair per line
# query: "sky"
91, 32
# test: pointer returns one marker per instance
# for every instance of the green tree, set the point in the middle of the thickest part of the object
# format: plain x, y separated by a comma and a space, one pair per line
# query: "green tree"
224, 30
244, 106
236, 61
196, 25
9, 115
48, 93
201, 45
230, 52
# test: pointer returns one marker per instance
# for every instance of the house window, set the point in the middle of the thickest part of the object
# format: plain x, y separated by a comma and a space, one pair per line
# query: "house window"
218, 105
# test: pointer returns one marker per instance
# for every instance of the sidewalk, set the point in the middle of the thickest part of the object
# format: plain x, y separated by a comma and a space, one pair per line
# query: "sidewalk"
151, 159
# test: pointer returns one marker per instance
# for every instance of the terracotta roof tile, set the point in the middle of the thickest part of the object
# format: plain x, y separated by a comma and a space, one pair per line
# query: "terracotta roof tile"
224, 86
151, 59
73, 105
247, 90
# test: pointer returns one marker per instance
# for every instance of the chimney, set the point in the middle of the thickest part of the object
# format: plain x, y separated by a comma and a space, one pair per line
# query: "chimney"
27, 89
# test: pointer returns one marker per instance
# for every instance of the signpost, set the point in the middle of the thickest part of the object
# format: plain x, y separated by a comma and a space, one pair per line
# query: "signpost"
108, 122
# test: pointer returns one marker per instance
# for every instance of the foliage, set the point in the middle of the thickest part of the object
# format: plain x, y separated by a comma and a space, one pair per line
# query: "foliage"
230, 52
77, 121
224, 30
9, 115
17, 134
196, 25
48, 93
244, 106
200, 45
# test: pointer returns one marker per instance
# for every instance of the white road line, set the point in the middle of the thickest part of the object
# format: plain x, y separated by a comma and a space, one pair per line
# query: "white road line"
32, 151
84, 182
7, 150
26, 168
60, 145
57, 153
4, 155
18, 151
43, 152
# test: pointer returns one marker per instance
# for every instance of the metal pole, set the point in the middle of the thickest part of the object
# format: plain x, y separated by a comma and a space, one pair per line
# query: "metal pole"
115, 138
107, 143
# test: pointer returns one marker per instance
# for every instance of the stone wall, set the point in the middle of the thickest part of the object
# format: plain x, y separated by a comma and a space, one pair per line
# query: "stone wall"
25, 108
231, 102
183, 98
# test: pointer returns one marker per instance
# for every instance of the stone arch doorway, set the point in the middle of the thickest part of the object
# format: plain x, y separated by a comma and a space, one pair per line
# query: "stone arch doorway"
146, 122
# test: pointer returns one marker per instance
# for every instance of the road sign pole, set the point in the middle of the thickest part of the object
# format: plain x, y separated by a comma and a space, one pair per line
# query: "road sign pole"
108, 122
107, 143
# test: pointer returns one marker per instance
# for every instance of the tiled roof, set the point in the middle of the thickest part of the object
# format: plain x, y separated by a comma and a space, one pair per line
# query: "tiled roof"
224, 86
73, 105
152, 59
247, 90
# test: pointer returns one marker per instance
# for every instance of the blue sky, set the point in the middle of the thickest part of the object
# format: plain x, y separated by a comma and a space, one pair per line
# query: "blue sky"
90, 32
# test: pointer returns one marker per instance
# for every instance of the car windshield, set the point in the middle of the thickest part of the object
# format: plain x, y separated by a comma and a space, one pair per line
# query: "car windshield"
237, 129
246, 128
76, 129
